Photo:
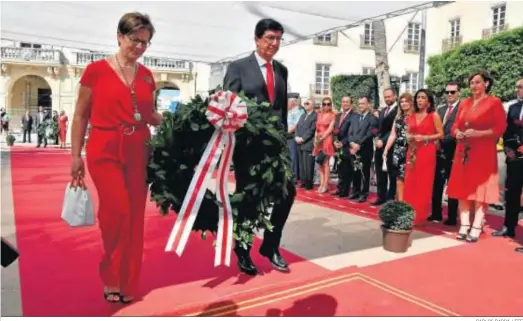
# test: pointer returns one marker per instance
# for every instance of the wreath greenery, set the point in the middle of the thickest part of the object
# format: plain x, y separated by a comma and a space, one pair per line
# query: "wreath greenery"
261, 159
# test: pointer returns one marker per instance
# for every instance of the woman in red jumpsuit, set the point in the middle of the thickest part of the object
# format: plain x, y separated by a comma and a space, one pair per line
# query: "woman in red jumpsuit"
480, 122
116, 98
62, 128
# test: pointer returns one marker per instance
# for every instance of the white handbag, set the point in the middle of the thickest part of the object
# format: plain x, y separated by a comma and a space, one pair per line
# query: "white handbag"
77, 209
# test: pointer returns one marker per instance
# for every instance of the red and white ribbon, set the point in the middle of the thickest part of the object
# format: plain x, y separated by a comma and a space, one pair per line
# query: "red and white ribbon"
227, 113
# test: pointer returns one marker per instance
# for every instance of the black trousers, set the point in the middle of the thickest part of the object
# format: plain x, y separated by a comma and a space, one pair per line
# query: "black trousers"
361, 178
345, 174
27, 135
306, 168
41, 139
441, 177
514, 185
280, 210
386, 181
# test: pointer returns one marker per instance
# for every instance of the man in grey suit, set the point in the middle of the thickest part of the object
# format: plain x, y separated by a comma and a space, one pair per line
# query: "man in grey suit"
305, 130
265, 80
444, 157
41, 121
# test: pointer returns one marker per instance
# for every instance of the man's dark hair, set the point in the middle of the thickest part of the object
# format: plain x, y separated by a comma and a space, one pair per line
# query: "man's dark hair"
365, 97
454, 83
267, 24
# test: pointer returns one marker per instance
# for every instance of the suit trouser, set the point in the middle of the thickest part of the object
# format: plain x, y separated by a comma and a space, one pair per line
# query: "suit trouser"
361, 178
513, 194
386, 181
307, 168
41, 139
502, 173
345, 174
295, 157
117, 164
442, 175
280, 210
27, 135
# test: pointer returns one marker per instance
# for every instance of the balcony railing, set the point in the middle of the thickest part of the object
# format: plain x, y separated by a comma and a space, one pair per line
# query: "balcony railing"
451, 43
31, 55
366, 42
155, 63
330, 39
489, 32
411, 46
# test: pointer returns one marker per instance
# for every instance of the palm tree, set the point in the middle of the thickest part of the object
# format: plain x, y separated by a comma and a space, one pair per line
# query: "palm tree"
382, 62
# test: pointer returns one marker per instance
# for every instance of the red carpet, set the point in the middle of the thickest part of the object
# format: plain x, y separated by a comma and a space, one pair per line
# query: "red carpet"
58, 264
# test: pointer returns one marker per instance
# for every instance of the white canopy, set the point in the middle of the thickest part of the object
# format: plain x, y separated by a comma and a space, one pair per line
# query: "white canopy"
198, 31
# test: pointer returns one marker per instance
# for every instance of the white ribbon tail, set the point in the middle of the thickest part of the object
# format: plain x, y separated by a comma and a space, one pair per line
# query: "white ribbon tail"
195, 193
224, 238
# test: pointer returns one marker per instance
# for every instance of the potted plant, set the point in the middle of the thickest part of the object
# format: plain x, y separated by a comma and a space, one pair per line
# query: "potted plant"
10, 140
397, 218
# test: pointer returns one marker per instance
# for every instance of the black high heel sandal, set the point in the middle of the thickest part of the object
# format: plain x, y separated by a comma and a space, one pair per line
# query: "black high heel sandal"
114, 295
124, 301
474, 239
460, 236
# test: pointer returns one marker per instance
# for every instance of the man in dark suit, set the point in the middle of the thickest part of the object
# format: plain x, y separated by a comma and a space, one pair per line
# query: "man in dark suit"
40, 123
513, 147
305, 130
386, 181
27, 126
341, 131
444, 157
362, 130
265, 80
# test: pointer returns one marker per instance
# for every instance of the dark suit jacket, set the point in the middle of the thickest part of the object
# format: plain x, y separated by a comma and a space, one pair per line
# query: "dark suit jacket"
363, 132
37, 118
305, 128
513, 136
27, 123
245, 75
448, 143
343, 128
386, 123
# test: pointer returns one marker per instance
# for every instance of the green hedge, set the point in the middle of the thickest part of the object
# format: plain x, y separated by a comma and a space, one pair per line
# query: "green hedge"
356, 86
501, 56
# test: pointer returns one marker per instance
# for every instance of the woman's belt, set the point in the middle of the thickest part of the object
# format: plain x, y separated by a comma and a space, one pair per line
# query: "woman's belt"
125, 130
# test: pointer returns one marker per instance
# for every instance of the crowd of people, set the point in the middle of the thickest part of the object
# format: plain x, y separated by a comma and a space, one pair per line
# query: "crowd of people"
417, 149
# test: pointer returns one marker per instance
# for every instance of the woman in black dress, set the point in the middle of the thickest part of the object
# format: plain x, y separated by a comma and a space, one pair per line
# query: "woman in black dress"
398, 142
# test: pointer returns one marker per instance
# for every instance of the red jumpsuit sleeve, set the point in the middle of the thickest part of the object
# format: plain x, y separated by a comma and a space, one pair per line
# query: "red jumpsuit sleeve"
499, 116
89, 76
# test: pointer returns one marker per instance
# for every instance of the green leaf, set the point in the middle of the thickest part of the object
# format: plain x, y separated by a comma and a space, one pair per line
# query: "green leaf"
164, 153
183, 167
236, 198
250, 186
195, 127
267, 142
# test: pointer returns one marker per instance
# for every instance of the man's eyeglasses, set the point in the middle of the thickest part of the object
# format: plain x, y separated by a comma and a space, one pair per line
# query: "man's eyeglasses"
450, 92
272, 39
136, 42
519, 87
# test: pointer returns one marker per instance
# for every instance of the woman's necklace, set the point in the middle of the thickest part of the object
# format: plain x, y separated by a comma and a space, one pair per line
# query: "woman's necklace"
137, 116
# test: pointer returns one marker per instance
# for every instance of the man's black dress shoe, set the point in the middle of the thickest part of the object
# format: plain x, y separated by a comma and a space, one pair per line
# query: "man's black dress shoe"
519, 249
504, 232
354, 196
362, 199
434, 219
378, 202
246, 265
277, 261
450, 222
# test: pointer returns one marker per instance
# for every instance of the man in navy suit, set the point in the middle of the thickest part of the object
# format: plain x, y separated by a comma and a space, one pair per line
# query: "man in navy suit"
341, 131
264, 79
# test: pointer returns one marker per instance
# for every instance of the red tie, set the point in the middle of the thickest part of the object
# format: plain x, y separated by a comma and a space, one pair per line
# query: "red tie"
448, 114
270, 81
343, 117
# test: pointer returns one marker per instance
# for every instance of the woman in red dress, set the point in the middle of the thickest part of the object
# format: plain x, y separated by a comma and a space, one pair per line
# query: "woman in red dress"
323, 142
62, 128
480, 122
116, 98
424, 130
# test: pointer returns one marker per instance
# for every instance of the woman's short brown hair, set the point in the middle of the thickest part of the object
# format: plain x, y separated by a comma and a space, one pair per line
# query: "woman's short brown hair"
486, 77
133, 21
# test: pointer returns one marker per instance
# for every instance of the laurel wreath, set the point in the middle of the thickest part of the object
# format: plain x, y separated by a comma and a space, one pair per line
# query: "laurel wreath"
261, 158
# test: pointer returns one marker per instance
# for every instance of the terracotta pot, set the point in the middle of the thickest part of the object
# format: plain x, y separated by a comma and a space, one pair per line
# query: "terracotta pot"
396, 241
